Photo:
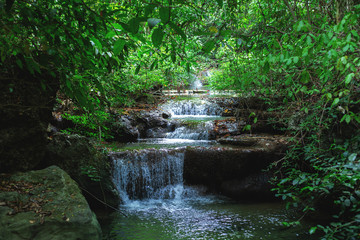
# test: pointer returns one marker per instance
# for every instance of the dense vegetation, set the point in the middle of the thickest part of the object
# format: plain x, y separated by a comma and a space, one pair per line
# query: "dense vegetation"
302, 56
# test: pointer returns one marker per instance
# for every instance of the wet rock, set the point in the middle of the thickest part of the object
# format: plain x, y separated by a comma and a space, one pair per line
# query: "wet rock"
87, 166
166, 115
124, 129
156, 132
45, 204
226, 127
152, 119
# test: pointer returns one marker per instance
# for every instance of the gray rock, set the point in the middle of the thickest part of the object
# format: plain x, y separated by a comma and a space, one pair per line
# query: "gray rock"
47, 204
124, 130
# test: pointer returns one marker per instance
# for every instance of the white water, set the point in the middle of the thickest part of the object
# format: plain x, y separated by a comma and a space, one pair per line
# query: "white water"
198, 131
192, 107
147, 173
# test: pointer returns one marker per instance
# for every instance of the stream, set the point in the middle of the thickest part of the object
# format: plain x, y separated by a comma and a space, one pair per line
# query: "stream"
159, 204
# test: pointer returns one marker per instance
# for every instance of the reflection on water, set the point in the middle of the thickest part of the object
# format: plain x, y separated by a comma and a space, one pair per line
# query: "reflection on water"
202, 217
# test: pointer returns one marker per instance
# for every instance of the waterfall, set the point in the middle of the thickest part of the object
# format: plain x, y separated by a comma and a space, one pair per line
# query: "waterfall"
187, 107
148, 173
199, 131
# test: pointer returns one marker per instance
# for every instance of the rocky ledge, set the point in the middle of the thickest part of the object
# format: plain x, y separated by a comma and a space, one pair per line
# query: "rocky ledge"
44, 204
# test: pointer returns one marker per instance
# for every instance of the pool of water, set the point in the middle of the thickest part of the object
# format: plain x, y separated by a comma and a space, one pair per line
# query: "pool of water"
202, 217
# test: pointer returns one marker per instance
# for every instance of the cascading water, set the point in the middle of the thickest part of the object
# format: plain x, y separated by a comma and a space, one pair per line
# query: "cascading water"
159, 206
147, 173
199, 131
192, 108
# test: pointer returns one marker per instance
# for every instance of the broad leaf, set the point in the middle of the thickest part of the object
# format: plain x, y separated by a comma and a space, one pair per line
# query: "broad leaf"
208, 46
164, 14
157, 37
119, 45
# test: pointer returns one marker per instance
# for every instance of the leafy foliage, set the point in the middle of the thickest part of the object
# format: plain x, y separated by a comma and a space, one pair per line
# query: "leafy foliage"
305, 55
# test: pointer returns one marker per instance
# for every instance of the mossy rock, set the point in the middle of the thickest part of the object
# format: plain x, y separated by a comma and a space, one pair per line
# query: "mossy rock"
45, 204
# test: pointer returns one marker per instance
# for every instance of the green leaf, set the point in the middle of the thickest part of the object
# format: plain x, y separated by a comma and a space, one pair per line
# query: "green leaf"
173, 56
148, 9
137, 69
153, 65
347, 119
347, 202
296, 59
68, 84
125, 26
110, 34
300, 26
208, 46
178, 30
348, 38
164, 14
308, 40
119, 45
97, 43
312, 230
220, 2
134, 24
352, 157
157, 37
19, 63
348, 78
336, 101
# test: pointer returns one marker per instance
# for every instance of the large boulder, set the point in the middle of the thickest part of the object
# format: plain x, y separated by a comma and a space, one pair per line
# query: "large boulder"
45, 204
90, 168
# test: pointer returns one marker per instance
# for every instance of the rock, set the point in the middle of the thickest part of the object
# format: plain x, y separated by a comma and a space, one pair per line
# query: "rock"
228, 170
124, 130
226, 127
275, 143
153, 119
165, 115
88, 167
45, 204
156, 132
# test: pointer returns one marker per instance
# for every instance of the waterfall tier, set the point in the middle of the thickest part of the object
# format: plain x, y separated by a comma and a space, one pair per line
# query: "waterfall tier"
149, 173
192, 107
199, 131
